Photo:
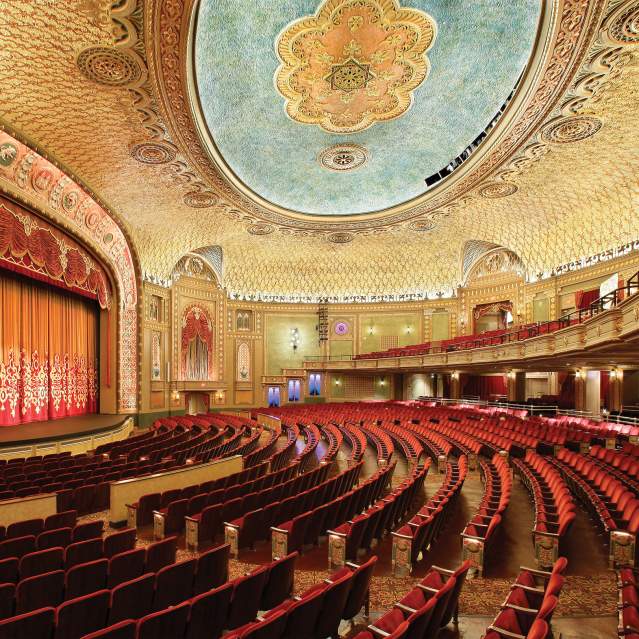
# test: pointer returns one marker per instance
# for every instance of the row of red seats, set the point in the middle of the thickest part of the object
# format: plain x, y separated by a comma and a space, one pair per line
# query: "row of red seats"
210, 520
318, 611
62, 538
628, 606
183, 600
424, 528
430, 606
384, 515
334, 438
482, 527
554, 506
527, 611
311, 515
253, 494
380, 441
407, 442
623, 465
601, 492
149, 502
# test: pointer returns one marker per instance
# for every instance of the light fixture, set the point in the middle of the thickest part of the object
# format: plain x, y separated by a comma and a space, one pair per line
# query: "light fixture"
613, 374
371, 330
382, 381
454, 375
579, 374
295, 338
408, 330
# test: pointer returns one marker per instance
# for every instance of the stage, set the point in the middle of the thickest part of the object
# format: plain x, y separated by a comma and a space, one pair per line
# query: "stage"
77, 434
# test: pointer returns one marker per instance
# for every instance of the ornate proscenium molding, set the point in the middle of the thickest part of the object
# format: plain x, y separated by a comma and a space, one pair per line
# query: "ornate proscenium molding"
33, 180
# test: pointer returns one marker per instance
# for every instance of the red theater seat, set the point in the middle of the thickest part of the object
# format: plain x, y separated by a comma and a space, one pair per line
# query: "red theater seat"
79, 617
209, 612
122, 630
132, 599
166, 624
36, 624
40, 591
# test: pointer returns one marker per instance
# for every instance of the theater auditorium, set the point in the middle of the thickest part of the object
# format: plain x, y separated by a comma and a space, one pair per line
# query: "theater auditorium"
319, 319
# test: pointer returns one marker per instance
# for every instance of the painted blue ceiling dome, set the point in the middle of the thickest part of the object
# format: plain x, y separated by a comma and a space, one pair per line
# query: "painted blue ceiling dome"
480, 51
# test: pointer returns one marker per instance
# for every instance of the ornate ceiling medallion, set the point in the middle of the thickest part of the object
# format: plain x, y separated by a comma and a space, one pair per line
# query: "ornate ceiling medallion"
110, 66
340, 238
498, 189
355, 63
343, 157
153, 152
571, 129
200, 199
260, 229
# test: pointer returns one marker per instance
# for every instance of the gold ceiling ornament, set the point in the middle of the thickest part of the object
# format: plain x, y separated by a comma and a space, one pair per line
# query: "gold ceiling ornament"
571, 129
110, 66
153, 152
422, 226
622, 25
355, 63
340, 238
260, 229
200, 199
498, 189
343, 157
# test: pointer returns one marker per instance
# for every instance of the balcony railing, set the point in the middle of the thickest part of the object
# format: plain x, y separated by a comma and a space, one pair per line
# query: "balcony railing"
598, 306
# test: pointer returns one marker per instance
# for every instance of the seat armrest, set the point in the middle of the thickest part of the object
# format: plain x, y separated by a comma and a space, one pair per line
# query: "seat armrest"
279, 530
527, 611
405, 608
539, 591
443, 570
427, 589
506, 633
378, 631
535, 571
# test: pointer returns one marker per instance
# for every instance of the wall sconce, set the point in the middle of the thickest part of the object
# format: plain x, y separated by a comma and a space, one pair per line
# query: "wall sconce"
408, 330
175, 395
295, 338
371, 329
382, 381
579, 374
454, 375
512, 375
337, 382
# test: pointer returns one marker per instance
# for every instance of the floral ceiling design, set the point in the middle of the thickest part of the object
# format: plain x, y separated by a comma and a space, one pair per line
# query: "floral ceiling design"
354, 64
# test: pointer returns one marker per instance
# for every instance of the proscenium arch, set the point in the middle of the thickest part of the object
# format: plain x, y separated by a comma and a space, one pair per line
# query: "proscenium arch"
31, 178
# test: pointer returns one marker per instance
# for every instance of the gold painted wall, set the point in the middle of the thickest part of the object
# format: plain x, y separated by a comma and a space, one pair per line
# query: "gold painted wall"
277, 340
273, 361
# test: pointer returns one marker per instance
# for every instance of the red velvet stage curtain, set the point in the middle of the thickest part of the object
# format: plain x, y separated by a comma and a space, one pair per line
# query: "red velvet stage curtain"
484, 387
566, 390
583, 299
48, 353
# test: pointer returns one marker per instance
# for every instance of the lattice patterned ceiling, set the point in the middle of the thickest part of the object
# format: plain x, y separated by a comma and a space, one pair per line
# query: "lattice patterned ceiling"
571, 199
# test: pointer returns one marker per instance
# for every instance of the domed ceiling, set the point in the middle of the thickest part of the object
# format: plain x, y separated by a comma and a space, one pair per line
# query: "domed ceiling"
115, 104
345, 107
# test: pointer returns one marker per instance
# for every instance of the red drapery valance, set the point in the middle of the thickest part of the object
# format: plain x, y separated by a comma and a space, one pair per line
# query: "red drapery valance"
496, 307
31, 246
